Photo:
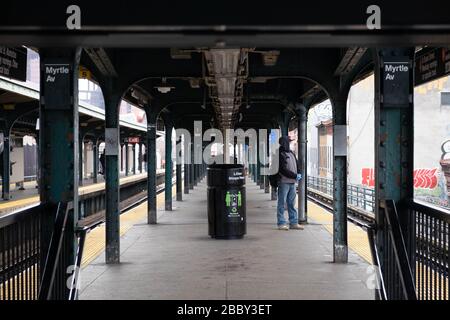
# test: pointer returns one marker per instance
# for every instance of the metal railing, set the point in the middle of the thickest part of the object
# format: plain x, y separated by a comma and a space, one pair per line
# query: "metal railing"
426, 247
20, 238
395, 263
358, 196
432, 260
53, 284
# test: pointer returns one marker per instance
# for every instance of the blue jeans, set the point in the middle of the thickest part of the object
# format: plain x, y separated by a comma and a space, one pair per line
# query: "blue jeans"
286, 194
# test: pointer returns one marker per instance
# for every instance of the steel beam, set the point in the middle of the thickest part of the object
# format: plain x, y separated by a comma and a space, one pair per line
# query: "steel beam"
340, 243
168, 168
6, 161
302, 116
58, 145
266, 177
151, 167
134, 158
140, 158
127, 159
179, 179
191, 167
260, 176
394, 150
111, 172
95, 160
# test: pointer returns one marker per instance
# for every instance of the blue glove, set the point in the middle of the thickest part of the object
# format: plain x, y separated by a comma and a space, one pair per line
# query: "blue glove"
299, 177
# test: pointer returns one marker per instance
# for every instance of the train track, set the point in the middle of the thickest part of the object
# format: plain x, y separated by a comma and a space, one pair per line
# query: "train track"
355, 215
126, 205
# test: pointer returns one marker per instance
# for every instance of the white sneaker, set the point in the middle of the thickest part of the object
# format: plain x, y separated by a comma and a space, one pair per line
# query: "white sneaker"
283, 227
296, 226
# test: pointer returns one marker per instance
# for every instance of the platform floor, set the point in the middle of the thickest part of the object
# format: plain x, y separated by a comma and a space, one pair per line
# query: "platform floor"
176, 259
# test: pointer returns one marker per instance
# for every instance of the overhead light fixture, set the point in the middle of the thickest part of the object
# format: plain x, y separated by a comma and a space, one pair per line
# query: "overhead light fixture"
176, 53
163, 87
270, 58
194, 83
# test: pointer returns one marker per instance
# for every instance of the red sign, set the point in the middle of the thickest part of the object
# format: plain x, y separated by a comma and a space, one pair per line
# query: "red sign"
368, 177
133, 140
423, 178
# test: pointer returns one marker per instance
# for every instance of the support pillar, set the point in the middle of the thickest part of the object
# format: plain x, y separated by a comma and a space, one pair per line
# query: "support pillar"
111, 172
151, 167
5, 161
186, 178
267, 153
80, 162
260, 177
95, 160
168, 168
127, 159
302, 114
59, 148
134, 158
195, 174
140, 157
191, 167
179, 182
340, 245
284, 124
394, 154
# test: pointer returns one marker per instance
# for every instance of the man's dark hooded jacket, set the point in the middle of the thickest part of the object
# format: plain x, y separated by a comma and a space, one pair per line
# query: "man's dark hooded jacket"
288, 164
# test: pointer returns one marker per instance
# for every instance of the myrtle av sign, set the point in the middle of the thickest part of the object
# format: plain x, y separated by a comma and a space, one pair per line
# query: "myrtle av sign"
396, 78
57, 86
13, 63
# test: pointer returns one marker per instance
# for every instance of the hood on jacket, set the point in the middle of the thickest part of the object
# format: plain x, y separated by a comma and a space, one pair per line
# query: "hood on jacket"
284, 144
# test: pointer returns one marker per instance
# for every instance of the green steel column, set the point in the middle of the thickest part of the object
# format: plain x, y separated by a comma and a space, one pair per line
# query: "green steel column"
254, 165
95, 160
5, 161
258, 161
179, 175
260, 178
196, 174
58, 149
302, 114
121, 157
168, 168
284, 124
340, 246
111, 174
80, 162
394, 149
186, 178
191, 167
186, 168
273, 190
266, 177
127, 159
151, 167
140, 157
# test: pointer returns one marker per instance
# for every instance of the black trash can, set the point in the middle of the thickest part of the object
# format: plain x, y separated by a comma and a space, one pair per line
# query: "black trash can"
226, 201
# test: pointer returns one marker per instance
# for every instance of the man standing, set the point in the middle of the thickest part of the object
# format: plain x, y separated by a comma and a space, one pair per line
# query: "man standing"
289, 176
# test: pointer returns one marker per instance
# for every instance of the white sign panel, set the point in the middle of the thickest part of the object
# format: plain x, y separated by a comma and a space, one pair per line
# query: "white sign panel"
111, 142
340, 140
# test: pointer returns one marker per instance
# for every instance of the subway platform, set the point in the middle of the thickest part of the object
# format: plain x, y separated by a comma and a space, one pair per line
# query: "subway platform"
176, 259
